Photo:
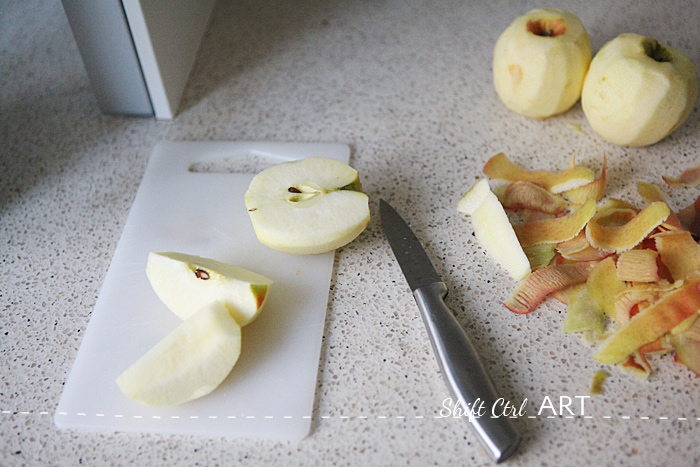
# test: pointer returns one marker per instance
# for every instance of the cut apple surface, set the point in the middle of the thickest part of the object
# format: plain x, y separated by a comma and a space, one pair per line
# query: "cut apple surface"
308, 206
188, 363
493, 230
186, 283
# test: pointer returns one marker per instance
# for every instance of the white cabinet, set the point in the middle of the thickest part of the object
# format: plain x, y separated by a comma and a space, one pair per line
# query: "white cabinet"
138, 53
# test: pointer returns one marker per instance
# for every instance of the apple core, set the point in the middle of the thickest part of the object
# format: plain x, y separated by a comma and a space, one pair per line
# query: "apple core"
656, 51
547, 28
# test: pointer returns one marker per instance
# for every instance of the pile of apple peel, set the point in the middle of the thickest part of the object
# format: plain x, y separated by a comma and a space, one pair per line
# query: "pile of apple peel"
214, 300
629, 276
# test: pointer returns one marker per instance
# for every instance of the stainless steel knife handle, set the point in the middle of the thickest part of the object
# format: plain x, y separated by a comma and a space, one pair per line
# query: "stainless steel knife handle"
464, 372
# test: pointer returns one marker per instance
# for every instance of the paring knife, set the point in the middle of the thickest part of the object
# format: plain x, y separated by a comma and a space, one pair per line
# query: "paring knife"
464, 373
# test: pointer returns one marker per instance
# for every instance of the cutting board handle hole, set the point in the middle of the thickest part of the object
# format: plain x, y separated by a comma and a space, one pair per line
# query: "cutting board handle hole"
247, 163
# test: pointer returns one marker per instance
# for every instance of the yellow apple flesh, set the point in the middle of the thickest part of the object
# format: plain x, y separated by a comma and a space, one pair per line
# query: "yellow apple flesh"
188, 363
186, 283
308, 206
540, 62
493, 229
637, 90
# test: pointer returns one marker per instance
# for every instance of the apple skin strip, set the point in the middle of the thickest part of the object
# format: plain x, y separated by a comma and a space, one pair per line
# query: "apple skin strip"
573, 245
637, 365
589, 254
627, 236
528, 195
599, 378
689, 217
638, 294
660, 346
540, 255
578, 249
652, 322
594, 190
555, 230
583, 313
564, 295
688, 178
693, 331
604, 285
678, 252
638, 266
530, 292
650, 193
501, 168
687, 352
687, 347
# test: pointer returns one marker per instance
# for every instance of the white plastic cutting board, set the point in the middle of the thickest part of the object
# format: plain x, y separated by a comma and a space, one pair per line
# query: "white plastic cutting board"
270, 392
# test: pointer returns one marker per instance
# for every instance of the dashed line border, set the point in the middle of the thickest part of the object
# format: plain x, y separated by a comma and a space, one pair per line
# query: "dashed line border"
341, 417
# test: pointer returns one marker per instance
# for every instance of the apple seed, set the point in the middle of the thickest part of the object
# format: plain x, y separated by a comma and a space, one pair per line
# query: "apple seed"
201, 274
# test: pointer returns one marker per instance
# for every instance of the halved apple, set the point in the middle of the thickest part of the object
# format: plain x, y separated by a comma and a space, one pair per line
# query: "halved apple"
308, 206
188, 363
186, 283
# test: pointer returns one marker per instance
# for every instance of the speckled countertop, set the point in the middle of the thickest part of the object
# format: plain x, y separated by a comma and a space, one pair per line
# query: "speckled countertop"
407, 84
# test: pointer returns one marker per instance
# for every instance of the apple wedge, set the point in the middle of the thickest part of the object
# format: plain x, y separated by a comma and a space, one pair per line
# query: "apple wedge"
188, 363
308, 206
187, 283
493, 229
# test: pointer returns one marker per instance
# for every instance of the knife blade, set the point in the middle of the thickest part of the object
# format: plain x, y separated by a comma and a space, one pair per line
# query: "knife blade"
459, 362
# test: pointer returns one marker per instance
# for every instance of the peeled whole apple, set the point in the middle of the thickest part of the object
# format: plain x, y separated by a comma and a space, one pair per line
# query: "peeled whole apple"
188, 363
307, 206
186, 283
540, 61
638, 90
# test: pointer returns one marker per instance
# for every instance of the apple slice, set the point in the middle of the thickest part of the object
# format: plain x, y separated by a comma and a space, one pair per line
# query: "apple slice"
307, 206
188, 363
186, 283
493, 229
